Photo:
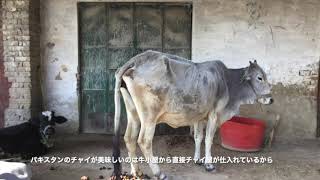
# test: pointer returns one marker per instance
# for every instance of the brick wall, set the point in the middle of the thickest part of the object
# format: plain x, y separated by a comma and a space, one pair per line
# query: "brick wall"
4, 84
20, 59
310, 76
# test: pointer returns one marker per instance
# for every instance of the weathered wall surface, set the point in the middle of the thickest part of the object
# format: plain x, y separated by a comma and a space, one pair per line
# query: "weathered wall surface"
59, 59
282, 35
19, 58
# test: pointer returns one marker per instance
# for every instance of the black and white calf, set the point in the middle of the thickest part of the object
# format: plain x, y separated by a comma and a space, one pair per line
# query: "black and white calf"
30, 138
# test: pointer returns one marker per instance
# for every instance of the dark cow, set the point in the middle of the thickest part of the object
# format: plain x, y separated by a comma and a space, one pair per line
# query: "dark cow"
30, 138
162, 88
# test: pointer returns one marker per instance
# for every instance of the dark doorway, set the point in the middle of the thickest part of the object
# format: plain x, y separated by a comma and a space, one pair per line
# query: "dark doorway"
109, 35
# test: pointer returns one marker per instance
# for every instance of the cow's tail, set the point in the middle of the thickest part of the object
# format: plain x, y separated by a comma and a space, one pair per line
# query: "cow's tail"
116, 137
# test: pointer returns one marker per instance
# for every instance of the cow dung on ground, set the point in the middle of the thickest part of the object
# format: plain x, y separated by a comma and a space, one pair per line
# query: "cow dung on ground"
126, 176
84, 178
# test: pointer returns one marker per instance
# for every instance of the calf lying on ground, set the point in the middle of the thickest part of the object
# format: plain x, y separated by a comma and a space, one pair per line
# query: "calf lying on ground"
30, 138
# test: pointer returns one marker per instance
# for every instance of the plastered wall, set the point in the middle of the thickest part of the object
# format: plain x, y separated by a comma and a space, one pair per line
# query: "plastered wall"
282, 35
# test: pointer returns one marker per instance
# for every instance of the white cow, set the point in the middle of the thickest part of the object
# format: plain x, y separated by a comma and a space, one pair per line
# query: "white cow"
162, 88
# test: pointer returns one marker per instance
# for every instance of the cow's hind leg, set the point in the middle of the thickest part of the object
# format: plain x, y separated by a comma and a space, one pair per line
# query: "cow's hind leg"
148, 109
210, 131
132, 131
145, 143
198, 137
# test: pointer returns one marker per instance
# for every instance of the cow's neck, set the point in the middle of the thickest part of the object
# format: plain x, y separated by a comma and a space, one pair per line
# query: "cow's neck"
240, 91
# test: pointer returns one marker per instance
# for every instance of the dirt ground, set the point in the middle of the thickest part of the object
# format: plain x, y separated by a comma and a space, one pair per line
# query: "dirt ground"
295, 160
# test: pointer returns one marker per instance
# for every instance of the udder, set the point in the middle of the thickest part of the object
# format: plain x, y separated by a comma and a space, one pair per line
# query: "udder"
176, 120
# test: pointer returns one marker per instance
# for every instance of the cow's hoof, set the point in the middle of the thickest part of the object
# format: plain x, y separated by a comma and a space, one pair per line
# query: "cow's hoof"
145, 176
199, 162
162, 176
137, 173
210, 167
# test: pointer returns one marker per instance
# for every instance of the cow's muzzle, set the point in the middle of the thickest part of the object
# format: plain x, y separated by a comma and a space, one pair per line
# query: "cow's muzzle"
267, 100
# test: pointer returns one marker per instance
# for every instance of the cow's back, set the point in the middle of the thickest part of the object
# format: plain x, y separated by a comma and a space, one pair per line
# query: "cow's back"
152, 67
165, 74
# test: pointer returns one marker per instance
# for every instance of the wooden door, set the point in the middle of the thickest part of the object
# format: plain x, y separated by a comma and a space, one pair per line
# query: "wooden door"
109, 35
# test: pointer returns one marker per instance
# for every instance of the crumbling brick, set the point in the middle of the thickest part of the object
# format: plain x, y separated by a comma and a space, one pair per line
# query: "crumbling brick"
20, 40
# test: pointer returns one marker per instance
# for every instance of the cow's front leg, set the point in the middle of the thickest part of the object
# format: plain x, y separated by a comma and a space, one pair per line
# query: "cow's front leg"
198, 136
211, 128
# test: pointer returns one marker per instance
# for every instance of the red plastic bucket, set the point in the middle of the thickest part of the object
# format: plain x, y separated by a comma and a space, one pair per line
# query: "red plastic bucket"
242, 134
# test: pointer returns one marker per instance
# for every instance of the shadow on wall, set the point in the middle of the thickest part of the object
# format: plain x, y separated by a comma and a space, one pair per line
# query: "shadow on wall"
34, 29
4, 83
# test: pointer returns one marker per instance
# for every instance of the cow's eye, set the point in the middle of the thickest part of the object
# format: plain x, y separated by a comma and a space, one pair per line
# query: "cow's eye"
259, 78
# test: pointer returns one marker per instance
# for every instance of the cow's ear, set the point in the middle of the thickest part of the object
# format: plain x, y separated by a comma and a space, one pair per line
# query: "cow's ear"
60, 119
255, 61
